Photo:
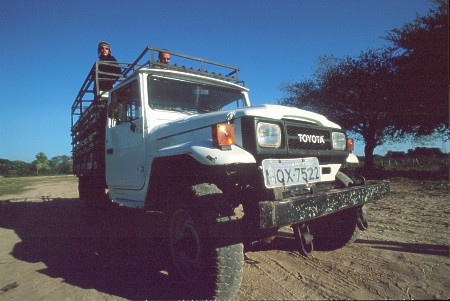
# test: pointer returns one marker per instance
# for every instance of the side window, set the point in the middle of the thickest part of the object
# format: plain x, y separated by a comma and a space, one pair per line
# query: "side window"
125, 104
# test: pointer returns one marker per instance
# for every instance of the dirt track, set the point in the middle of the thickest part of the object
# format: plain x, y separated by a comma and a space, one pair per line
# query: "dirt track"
50, 249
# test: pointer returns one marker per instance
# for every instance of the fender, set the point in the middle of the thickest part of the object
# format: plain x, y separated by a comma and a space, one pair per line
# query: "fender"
205, 153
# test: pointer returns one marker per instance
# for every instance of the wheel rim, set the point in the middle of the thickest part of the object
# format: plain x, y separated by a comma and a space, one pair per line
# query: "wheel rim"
185, 245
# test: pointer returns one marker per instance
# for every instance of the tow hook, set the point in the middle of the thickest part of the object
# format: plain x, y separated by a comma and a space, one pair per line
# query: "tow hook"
304, 239
361, 180
361, 220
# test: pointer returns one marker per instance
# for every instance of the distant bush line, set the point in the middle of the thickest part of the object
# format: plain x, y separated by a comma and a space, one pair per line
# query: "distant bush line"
419, 163
59, 165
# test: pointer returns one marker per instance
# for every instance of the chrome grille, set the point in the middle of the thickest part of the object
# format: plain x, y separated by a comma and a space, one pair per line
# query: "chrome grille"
294, 141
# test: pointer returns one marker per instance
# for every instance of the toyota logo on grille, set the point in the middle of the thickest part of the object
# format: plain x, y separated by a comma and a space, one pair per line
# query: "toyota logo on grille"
311, 138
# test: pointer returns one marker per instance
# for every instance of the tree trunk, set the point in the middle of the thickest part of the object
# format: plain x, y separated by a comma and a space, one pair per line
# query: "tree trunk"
369, 165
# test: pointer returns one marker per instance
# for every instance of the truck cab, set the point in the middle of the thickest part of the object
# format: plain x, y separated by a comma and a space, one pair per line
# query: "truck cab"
158, 113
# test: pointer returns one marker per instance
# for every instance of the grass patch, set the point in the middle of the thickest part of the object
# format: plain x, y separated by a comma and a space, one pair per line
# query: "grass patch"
17, 185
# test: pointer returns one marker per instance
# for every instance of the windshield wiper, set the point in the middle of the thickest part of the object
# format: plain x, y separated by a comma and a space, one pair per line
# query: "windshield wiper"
189, 111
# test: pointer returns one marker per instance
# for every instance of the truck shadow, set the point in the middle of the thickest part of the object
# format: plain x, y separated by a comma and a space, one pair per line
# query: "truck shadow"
286, 242
117, 251
426, 249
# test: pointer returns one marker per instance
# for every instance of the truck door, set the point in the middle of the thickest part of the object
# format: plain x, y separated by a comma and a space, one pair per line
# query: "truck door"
125, 139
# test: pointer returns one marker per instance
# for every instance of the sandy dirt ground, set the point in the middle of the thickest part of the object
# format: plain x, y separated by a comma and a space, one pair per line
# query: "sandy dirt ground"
52, 249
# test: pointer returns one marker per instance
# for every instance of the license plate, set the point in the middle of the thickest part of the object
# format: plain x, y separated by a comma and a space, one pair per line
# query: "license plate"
288, 172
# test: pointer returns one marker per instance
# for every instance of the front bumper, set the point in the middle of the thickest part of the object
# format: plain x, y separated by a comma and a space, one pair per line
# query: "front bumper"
300, 209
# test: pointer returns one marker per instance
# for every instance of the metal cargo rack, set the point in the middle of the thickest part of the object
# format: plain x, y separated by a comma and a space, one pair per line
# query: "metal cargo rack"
88, 120
89, 90
88, 138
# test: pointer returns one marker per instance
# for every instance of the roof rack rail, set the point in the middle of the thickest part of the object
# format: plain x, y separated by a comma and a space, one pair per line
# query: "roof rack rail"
231, 73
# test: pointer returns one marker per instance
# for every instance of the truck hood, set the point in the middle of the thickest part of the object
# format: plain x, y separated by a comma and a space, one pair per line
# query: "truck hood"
286, 113
275, 112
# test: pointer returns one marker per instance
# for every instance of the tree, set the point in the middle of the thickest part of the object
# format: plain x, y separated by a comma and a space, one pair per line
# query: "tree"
61, 164
14, 168
420, 51
56, 165
41, 164
426, 152
358, 93
385, 94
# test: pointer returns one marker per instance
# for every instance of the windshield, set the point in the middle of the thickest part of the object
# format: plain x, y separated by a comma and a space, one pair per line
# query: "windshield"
180, 95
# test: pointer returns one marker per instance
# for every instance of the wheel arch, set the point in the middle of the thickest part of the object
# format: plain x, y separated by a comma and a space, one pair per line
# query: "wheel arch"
170, 176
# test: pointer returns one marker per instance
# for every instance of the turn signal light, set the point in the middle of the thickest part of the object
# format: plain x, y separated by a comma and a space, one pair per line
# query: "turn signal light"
223, 135
350, 144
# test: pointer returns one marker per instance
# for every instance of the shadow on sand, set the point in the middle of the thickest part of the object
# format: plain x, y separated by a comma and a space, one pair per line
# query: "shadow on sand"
118, 252
426, 249
286, 242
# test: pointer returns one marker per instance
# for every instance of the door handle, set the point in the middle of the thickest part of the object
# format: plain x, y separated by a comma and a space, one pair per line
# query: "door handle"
110, 151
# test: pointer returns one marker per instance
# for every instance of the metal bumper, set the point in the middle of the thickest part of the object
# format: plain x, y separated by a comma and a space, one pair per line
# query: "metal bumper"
300, 209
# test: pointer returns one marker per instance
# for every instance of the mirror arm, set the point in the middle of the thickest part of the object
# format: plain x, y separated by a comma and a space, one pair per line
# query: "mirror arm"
132, 126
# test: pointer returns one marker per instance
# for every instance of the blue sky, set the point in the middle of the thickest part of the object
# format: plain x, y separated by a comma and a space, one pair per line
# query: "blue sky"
47, 48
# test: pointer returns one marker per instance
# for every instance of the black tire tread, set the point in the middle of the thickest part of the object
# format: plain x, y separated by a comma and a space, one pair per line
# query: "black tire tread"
229, 273
223, 262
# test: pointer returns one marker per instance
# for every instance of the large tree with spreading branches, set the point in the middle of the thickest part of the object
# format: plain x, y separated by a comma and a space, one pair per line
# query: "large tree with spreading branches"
388, 93
357, 93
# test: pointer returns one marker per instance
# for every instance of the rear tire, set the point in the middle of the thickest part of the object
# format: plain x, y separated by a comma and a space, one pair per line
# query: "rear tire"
92, 192
335, 231
82, 187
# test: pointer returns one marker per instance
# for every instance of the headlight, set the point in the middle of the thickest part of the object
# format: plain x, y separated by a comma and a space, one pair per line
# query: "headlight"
269, 134
339, 141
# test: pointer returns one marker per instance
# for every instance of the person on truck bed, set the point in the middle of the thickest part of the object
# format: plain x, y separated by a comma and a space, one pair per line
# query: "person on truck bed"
104, 54
164, 57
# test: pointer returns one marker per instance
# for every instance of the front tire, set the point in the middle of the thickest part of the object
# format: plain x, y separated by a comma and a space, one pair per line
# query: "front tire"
203, 258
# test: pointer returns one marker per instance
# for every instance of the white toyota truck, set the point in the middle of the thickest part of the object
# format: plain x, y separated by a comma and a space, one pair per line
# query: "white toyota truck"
183, 139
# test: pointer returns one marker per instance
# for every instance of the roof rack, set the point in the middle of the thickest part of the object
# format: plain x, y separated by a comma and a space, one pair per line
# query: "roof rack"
195, 65
89, 90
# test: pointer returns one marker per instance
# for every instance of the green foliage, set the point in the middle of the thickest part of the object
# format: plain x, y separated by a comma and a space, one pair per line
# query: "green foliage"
61, 164
420, 52
41, 166
14, 168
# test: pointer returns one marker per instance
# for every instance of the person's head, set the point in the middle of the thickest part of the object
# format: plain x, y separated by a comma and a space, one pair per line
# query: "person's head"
103, 48
164, 57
